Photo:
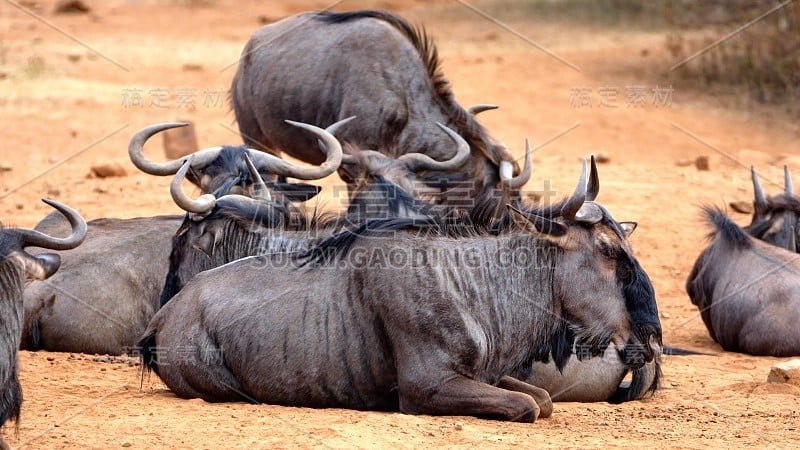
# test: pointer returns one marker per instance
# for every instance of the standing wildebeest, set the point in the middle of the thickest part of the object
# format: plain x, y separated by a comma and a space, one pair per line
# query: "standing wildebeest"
438, 331
776, 219
747, 291
108, 289
322, 66
16, 267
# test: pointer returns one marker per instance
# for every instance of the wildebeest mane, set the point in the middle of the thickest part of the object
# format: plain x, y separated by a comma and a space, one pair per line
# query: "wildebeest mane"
725, 227
474, 133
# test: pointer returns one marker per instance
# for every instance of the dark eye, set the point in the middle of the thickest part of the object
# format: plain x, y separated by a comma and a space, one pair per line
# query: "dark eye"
624, 270
609, 251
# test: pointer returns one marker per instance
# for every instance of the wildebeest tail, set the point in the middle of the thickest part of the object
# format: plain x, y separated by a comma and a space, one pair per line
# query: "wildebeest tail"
644, 382
725, 227
675, 351
147, 350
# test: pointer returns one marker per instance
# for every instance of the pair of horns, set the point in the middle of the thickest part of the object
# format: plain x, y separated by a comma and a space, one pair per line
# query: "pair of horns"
419, 161
206, 202
760, 197
506, 168
33, 238
580, 206
263, 161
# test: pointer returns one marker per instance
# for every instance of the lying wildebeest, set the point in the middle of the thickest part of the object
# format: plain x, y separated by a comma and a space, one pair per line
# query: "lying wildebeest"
16, 267
237, 226
108, 289
218, 231
314, 67
747, 291
776, 219
439, 331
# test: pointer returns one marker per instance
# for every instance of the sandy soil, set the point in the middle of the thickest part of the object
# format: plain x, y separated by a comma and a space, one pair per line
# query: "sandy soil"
65, 106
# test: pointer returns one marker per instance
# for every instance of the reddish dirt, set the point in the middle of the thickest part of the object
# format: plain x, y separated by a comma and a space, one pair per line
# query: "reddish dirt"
65, 108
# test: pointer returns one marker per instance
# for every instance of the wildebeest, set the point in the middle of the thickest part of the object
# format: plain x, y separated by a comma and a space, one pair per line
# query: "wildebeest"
747, 291
108, 289
438, 331
221, 170
237, 226
218, 231
315, 67
776, 219
16, 267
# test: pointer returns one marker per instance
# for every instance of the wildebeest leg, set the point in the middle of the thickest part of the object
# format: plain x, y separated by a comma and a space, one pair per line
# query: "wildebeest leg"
464, 396
541, 396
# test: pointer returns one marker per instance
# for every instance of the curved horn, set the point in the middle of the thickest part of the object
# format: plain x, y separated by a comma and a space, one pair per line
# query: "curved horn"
474, 110
575, 202
419, 161
136, 145
523, 177
760, 199
787, 182
202, 205
260, 188
278, 166
33, 238
594, 182
332, 129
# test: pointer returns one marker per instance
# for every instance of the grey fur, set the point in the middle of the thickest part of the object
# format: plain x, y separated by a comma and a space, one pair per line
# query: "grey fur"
17, 266
439, 338
747, 291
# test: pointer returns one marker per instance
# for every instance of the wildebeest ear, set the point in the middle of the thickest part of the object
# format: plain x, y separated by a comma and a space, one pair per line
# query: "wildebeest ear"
45, 265
296, 192
538, 225
628, 227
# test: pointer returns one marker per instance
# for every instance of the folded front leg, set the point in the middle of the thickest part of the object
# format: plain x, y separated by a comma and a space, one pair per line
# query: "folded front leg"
541, 396
467, 397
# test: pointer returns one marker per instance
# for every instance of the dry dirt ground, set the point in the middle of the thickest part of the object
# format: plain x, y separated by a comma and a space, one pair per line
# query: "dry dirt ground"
74, 88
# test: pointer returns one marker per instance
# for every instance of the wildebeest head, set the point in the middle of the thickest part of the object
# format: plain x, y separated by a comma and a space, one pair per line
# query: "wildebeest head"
605, 296
776, 219
221, 170
378, 183
16, 267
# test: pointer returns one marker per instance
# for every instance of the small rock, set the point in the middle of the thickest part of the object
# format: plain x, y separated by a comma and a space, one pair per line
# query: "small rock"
702, 163
50, 358
108, 170
5, 168
785, 372
685, 162
53, 192
20, 206
3, 75
602, 157
179, 142
126, 444
192, 67
742, 207
665, 314
73, 57
459, 426
71, 7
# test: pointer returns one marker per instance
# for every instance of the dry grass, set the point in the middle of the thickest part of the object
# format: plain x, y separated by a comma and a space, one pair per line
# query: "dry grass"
762, 60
